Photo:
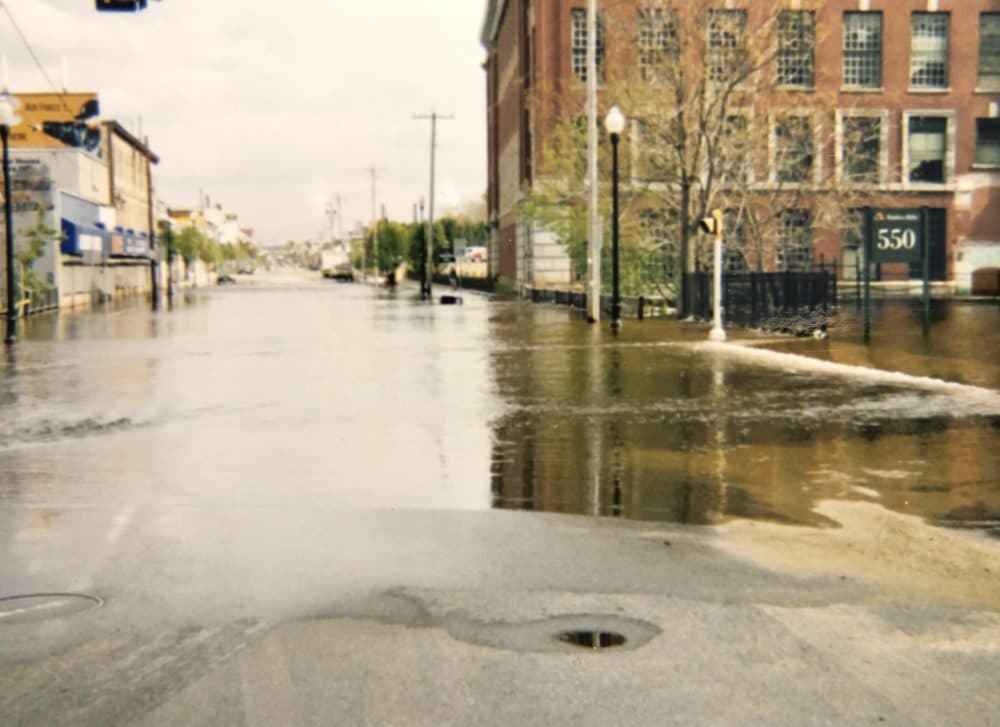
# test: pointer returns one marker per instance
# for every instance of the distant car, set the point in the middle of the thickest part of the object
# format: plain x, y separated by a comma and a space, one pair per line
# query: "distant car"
475, 254
225, 278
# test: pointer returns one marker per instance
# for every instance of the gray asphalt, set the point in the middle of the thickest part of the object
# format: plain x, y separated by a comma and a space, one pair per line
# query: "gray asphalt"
270, 552
458, 624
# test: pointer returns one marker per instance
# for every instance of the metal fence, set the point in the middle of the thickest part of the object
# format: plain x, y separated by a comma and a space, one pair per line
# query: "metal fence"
639, 307
791, 302
36, 303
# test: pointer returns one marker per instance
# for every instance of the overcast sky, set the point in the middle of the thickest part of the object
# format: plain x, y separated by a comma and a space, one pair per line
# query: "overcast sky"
274, 107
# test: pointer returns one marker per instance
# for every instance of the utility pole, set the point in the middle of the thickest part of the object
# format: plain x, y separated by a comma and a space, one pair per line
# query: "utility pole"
340, 221
332, 212
429, 258
374, 230
593, 218
364, 247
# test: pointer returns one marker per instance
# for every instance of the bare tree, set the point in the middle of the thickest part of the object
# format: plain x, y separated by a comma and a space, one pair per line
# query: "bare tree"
727, 112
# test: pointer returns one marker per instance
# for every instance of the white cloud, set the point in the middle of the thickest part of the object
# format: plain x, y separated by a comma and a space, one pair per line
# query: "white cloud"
272, 108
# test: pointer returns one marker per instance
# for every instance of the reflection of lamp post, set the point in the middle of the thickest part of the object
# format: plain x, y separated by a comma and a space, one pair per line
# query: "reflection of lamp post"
713, 225
9, 118
615, 124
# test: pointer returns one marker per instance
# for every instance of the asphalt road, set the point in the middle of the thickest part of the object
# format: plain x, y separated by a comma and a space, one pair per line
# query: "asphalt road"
270, 554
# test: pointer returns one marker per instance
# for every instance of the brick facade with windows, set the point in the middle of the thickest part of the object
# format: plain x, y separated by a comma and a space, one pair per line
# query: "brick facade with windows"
914, 111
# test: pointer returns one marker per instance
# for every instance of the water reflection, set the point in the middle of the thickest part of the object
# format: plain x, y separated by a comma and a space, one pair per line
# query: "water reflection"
359, 397
657, 430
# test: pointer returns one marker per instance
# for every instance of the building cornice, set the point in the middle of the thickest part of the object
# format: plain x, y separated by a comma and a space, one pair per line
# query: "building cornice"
132, 140
495, 10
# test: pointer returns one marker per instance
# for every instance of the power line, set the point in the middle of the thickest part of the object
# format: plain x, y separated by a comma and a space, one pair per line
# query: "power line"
34, 56
31, 51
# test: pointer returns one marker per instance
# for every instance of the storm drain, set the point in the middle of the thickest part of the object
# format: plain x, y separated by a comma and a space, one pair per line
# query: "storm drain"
560, 634
41, 606
593, 639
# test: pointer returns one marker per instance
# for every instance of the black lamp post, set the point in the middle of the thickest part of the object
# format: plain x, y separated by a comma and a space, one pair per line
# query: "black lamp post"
9, 118
615, 124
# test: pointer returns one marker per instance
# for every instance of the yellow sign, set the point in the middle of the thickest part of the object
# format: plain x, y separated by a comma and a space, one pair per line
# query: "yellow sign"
53, 120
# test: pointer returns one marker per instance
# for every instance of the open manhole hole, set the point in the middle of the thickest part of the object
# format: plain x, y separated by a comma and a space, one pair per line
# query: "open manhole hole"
593, 639
40, 606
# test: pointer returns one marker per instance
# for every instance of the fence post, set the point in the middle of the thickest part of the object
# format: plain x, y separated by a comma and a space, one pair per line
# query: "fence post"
857, 278
642, 304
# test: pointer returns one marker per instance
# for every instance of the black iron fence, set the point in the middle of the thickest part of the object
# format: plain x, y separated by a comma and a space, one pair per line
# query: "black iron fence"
639, 307
791, 302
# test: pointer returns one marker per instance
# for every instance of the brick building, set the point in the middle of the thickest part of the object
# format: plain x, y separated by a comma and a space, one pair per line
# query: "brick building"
919, 79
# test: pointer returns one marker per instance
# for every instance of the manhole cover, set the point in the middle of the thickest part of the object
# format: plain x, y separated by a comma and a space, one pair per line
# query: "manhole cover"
593, 639
41, 606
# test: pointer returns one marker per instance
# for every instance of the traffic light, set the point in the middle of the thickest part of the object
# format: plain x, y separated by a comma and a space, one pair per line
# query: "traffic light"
127, 6
713, 224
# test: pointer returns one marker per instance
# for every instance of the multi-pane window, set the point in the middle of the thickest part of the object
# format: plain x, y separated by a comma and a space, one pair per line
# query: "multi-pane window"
794, 148
795, 240
733, 159
658, 44
861, 149
927, 146
989, 52
726, 61
796, 48
578, 45
658, 233
656, 157
988, 142
863, 50
929, 50
734, 261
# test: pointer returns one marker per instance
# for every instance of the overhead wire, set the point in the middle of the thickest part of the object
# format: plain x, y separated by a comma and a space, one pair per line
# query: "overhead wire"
31, 51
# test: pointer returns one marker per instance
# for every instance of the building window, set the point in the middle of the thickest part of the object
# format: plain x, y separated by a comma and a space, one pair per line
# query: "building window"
929, 50
578, 45
796, 44
863, 50
795, 244
926, 148
658, 46
658, 234
734, 261
989, 52
794, 148
656, 158
726, 62
861, 149
988, 142
734, 159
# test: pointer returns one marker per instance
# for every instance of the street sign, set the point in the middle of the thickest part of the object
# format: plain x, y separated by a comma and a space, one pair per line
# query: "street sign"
897, 236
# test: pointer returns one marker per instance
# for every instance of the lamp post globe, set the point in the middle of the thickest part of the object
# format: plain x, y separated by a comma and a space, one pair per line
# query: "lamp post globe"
9, 118
614, 122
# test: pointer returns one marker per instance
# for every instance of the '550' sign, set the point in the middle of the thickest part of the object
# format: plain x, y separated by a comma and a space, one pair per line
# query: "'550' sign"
896, 235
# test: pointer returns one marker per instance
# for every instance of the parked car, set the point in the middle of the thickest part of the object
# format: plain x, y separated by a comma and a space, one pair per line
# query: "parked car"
225, 278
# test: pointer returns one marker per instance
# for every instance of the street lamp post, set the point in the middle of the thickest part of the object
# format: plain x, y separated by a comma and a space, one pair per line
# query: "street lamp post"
713, 225
615, 124
9, 118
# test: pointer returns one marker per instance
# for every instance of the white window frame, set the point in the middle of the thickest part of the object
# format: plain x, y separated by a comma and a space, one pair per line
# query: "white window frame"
883, 152
772, 157
881, 52
949, 152
915, 42
751, 178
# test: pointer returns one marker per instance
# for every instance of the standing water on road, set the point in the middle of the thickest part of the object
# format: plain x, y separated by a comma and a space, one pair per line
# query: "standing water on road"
332, 395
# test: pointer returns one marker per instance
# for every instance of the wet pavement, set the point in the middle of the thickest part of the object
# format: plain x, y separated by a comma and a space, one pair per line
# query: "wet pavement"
289, 453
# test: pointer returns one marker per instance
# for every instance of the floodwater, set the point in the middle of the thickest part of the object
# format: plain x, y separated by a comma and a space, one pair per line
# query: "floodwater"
296, 390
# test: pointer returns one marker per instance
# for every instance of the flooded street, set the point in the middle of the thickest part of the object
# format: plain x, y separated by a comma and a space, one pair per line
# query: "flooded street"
312, 392
290, 449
